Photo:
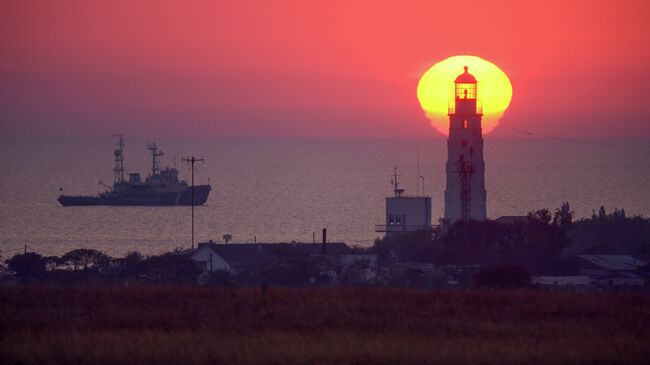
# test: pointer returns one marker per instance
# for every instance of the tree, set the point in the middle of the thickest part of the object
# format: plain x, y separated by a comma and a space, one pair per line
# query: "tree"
170, 267
220, 278
610, 233
295, 271
83, 259
563, 217
4, 270
547, 232
29, 266
417, 246
540, 217
355, 273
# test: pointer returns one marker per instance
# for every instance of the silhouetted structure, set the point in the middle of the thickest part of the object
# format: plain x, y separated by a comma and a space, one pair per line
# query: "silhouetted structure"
405, 213
161, 187
465, 195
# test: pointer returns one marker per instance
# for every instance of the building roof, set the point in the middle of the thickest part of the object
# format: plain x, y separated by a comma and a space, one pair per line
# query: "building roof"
614, 262
408, 197
255, 253
509, 219
235, 254
534, 262
331, 248
465, 78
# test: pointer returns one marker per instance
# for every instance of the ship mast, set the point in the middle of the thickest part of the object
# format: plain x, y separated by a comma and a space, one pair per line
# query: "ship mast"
119, 159
155, 168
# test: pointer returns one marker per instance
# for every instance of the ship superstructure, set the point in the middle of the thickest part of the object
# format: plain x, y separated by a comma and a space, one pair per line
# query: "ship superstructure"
161, 187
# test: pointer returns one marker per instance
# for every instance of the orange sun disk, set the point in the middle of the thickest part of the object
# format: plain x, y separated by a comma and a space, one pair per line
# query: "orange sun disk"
435, 90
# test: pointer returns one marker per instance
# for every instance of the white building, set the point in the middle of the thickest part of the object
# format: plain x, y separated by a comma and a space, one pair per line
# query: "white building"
569, 281
465, 195
405, 213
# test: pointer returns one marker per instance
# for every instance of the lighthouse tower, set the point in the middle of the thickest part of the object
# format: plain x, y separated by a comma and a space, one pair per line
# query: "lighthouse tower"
465, 193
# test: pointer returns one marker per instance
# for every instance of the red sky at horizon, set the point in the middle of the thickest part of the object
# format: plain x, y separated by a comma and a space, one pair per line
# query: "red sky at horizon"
314, 69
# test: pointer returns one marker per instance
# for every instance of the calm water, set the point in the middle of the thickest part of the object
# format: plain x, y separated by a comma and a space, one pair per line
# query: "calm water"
283, 190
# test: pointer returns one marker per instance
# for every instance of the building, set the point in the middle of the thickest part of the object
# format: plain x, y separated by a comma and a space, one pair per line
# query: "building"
512, 219
596, 272
351, 268
465, 195
405, 213
212, 256
569, 281
337, 262
232, 257
611, 270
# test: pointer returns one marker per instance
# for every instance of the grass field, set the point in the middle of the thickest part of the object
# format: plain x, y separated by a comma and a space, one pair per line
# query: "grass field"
184, 325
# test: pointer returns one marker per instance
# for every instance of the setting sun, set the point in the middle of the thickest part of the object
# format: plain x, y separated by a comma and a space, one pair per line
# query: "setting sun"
435, 90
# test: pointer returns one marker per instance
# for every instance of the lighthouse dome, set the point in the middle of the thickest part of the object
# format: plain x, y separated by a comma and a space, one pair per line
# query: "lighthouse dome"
465, 78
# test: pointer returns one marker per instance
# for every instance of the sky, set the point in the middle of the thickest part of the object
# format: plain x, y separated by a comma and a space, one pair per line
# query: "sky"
332, 69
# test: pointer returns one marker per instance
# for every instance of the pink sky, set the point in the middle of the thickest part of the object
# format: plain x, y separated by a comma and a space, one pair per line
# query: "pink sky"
313, 69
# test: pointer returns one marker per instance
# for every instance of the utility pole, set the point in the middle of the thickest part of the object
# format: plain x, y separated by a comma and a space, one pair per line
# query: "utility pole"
191, 161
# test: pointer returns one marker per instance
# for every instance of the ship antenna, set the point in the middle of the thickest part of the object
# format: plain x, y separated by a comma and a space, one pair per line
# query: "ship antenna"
191, 160
119, 159
155, 167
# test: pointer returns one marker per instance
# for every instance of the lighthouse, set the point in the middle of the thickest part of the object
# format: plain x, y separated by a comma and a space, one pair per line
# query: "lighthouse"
465, 194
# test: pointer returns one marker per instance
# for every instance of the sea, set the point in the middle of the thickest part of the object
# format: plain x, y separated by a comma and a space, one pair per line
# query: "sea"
284, 190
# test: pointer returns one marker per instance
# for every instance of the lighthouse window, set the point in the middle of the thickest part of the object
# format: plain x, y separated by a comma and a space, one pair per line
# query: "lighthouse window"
465, 91
465, 124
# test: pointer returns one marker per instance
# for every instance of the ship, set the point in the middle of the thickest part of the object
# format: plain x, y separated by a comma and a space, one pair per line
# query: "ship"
160, 188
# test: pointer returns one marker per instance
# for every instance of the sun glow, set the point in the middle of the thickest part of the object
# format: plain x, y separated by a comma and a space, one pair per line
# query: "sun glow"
435, 90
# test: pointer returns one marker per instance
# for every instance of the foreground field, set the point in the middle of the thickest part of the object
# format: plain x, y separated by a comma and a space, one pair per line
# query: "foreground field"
243, 326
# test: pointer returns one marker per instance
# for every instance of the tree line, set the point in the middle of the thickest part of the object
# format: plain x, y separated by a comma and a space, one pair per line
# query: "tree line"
543, 232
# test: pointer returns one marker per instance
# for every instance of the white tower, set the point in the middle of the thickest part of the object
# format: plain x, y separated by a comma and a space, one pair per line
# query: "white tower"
465, 193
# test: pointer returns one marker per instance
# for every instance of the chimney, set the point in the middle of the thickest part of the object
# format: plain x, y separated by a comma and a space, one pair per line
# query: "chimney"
324, 240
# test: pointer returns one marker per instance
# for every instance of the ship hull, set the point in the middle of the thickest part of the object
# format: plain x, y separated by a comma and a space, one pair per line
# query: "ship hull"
201, 193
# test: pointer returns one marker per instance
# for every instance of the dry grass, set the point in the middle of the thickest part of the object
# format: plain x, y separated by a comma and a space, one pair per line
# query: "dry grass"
167, 325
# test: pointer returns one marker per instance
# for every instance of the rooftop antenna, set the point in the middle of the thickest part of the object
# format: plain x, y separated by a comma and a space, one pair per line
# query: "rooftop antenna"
191, 160
398, 192
119, 159
155, 168
423, 192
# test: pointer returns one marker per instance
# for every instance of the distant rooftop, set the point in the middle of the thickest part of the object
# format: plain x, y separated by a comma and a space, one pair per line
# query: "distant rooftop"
507, 219
614, 262
253, 252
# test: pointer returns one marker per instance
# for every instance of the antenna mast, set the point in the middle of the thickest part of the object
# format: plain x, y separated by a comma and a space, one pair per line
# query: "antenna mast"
155, 168
421, 178
119, 159
398, 192
191, 161
417, 170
